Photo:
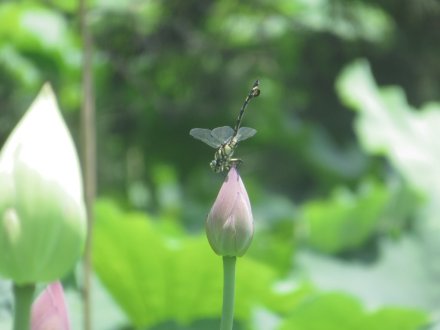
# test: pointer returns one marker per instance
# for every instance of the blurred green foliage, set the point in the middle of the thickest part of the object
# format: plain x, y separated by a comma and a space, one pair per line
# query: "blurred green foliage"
327, 185
337, 311
157, 273
345, 221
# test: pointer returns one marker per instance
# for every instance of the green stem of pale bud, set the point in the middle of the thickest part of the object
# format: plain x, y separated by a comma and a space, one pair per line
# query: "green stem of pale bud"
228, 293
23, 301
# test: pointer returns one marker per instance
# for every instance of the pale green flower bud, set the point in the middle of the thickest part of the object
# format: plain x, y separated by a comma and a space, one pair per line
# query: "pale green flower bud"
42, 212
230, 225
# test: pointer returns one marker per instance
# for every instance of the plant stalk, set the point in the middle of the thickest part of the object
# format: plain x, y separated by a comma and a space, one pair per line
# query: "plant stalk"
23, 295
89, 155
228, 293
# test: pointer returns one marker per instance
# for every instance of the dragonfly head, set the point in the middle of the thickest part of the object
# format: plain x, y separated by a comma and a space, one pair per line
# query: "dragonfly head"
215, 166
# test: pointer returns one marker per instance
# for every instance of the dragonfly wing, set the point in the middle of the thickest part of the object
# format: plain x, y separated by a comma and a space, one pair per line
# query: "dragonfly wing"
204, 135
245, 133
223, 133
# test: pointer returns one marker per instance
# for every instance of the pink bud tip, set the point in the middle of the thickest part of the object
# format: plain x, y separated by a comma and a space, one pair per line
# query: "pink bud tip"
49, 310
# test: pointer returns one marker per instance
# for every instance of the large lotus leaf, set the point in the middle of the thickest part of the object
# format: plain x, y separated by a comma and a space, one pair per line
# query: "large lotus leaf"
346, 220
388, 125
156, 276
337, 311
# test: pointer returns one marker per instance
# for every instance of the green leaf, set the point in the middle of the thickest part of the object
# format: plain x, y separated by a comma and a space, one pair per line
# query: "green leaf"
156, 276
345, 220
337, 311
380, 282
393, 318
332, 311
129, 259
388, 125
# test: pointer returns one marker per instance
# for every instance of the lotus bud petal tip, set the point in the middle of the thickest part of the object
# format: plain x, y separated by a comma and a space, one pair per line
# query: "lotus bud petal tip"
229, 226
49, 311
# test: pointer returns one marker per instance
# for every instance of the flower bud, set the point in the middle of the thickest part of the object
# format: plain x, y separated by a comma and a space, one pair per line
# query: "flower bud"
49, 310
42, 212
230, 224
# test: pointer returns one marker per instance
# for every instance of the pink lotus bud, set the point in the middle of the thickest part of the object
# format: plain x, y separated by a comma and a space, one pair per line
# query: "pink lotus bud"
49, 310
230, 225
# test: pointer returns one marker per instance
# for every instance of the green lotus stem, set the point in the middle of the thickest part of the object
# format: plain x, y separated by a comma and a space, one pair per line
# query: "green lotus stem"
23, 301
228, 293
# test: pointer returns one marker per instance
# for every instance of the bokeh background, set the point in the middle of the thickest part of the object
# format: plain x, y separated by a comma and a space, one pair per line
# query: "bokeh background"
343, 174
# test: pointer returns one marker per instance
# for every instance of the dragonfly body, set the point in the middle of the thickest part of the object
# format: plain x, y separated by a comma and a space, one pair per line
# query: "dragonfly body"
223, 156
225, 139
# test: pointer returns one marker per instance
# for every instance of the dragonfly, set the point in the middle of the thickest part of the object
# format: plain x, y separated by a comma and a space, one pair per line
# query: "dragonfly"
225, 139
